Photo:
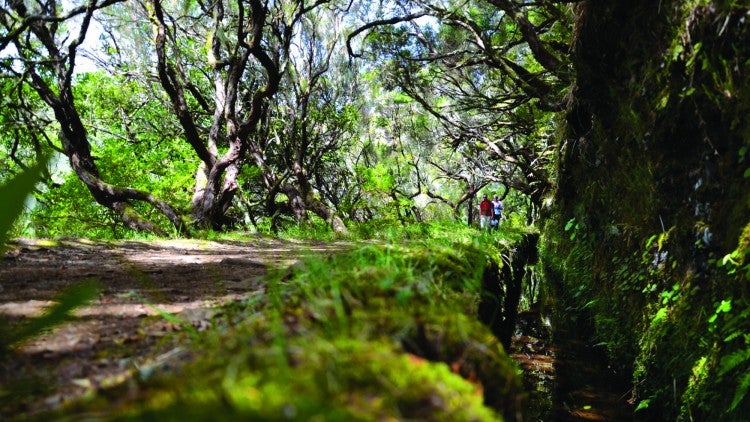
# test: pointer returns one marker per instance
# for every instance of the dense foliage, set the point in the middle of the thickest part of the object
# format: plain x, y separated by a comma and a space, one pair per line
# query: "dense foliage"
648, 234
371, 119
170, 117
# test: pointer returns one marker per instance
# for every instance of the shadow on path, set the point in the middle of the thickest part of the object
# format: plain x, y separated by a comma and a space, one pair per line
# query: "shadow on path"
123, 330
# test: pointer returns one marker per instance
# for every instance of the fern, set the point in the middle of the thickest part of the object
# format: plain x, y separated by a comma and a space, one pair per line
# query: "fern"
741, 391
734, 335
734, 360
737, 360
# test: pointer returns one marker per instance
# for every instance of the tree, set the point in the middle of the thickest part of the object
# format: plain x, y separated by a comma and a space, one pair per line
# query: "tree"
45, 60
489, 71
308, 122
263, 104
246, 55
24, 131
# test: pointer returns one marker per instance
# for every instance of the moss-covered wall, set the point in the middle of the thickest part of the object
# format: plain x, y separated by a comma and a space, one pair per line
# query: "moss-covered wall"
653, 193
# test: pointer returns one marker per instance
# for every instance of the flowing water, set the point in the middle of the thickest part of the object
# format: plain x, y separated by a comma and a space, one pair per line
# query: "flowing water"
566, 378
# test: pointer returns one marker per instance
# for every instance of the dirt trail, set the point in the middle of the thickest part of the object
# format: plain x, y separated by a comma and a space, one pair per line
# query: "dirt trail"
113, 337
117, 336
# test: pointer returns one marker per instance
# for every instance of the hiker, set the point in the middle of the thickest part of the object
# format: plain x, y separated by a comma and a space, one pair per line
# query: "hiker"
485, 213
497, 211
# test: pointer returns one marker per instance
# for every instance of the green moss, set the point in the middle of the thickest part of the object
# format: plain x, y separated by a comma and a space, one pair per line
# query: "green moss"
699, 390
744, 244
378, 332
334, 380
656, 143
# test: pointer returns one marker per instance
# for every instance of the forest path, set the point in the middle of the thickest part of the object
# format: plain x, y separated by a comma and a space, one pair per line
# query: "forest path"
112, 336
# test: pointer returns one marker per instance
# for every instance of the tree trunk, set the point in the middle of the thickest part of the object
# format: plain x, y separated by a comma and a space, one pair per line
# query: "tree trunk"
310, 202
77, 149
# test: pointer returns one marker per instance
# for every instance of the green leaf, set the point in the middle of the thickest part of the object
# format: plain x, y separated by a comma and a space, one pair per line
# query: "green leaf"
728, 258
643, 405
731, 336
662, 238
741, 391
660, 315
725, 306
663, 101
401, 98
734, 360
67, 301
14, 194
688, 93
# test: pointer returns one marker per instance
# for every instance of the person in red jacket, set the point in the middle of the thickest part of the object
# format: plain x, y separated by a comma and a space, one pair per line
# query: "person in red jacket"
485, 213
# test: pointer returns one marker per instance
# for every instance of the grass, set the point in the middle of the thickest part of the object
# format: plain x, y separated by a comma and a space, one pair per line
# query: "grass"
386, 330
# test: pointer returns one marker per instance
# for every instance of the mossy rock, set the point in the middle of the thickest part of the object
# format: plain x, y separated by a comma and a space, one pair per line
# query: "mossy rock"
330, 380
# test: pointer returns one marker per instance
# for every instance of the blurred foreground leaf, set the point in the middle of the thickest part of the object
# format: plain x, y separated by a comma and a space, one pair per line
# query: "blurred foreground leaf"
13, 195
66, 302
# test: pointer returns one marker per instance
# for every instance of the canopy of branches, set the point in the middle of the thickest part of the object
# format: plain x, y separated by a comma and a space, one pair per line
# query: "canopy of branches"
173, 115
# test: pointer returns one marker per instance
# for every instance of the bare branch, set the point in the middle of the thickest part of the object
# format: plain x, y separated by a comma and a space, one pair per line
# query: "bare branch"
537, 47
